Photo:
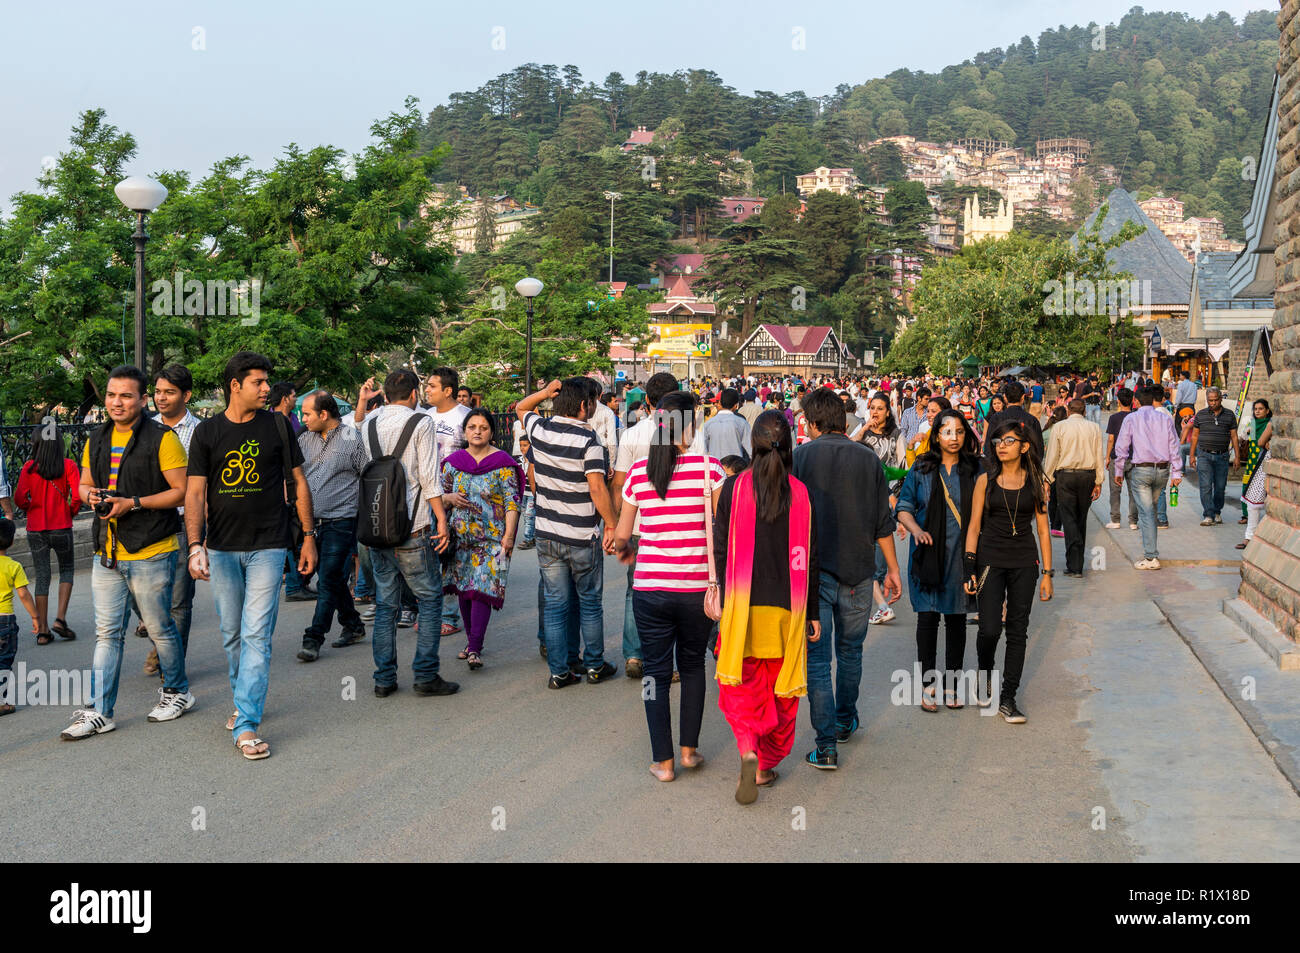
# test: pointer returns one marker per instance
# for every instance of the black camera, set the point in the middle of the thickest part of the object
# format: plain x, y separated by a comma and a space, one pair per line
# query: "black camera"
105, 504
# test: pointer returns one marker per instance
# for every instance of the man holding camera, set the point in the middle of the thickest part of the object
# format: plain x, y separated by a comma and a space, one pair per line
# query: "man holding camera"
133, 474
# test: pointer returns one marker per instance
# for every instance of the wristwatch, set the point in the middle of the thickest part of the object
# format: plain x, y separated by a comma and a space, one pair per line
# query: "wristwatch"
308, 532
137, 504
1049, 572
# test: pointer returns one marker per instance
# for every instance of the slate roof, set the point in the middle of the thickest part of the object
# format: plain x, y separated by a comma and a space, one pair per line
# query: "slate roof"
1212, 269
1149, 257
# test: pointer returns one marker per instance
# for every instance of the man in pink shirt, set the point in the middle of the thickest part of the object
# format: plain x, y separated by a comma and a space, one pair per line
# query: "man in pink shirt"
1148, 452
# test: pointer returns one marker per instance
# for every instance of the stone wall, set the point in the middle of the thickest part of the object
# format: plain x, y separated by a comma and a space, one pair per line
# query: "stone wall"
1270, 572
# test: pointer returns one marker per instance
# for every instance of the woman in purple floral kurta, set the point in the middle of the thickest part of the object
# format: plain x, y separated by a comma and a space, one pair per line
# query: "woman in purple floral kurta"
482, 489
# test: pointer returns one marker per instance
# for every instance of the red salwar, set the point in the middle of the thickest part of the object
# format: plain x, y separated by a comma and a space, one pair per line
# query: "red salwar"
761, 721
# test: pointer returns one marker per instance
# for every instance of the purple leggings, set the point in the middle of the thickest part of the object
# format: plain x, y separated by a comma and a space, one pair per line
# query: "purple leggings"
475, 614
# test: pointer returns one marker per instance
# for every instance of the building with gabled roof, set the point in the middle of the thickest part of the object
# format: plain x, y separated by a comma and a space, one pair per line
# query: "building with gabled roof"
793, 349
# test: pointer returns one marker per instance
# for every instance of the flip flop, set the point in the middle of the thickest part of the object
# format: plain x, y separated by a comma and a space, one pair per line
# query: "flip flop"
253, 743
747, 789
230, 722
449, 629
770, 781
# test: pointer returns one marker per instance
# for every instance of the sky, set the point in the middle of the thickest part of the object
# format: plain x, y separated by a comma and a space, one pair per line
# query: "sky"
195, 82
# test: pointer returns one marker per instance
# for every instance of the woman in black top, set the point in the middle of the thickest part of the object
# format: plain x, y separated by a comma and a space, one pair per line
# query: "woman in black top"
1002, 558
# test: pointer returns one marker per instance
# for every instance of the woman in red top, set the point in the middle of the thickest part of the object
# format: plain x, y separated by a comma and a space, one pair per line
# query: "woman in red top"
48, 492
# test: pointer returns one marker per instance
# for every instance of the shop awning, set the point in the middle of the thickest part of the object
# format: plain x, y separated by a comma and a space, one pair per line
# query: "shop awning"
1216, 350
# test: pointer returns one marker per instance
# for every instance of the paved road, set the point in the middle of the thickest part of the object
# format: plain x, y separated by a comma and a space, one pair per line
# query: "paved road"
1123, 720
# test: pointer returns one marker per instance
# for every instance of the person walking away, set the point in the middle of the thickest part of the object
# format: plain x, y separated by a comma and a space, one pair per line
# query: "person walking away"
1058, 415
726, 433
572, 501
334, 457
1256, 492
1214, 435
482, 489
245, 471
13, 582
1146, 454
850, 499
49, 492
765, 555
1185, 393
934, 506
1001, 564
1256, 444
671, 494
133, 473
1124, 400
1076, 471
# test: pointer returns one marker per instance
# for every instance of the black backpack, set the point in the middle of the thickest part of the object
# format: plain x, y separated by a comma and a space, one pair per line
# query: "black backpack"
382, 518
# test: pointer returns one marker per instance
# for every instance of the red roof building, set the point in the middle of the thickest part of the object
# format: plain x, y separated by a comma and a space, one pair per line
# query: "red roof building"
737, 208
794, 349
681, 304
639, 136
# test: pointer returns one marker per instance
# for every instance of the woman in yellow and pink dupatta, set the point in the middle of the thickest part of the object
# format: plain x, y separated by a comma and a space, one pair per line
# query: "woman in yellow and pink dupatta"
765, 547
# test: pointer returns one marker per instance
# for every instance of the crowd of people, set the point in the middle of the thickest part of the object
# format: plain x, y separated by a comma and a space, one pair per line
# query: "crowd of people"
757, 518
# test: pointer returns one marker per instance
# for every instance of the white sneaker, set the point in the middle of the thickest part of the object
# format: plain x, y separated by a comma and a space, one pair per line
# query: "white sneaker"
1208, 521
1112, 526
1132, 525
882, 614
171, 705
86, 722
366, 611
1147, 564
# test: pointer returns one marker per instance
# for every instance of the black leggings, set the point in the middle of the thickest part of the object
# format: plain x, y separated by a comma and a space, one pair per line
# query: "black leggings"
672, 623
1017, 587
927, 644
41, 541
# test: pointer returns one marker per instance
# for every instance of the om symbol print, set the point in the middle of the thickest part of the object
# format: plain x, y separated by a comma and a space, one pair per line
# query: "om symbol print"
241, 465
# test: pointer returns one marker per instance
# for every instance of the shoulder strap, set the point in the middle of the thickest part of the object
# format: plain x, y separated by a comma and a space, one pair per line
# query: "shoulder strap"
373, 440
708, 520
956, 514
412, 422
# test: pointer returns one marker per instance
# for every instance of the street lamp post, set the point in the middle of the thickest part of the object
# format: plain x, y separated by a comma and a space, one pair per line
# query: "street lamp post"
141, 195
529, 288
613, 197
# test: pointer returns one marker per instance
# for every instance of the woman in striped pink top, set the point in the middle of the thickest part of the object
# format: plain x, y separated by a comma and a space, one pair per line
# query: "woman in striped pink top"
671, 574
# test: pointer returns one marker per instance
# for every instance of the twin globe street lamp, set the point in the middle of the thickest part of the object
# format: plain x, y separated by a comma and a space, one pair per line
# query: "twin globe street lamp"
529, 288
141, 195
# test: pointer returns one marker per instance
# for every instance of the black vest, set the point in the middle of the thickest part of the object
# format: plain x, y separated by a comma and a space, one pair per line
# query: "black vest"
138, 474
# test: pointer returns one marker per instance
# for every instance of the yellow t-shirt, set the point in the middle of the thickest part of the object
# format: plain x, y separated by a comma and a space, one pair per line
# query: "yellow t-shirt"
171, 456
11, 577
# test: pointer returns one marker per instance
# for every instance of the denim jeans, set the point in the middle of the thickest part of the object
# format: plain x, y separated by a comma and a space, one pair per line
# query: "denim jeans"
246, 586
8, 647
631, 640
416, 563
149, 582
1093, 413
183, 594
529, 519
675, 630
1115, 492
1147, 484
365, 588
1211, 480
293, 583
583, 565
572, 627
844, 613
336, 540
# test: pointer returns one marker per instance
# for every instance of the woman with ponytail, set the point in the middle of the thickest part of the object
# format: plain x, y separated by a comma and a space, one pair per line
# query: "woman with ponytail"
1001, 562
675, 493
765, 549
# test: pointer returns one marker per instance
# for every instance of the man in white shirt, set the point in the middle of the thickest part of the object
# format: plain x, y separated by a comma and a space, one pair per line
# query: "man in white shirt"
605, 422
449, 427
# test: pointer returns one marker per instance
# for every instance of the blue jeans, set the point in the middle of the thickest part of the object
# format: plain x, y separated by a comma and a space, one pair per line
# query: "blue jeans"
416, 563
1093, 413
293, 583
246, 586
336, 540
8, 646
1147, 485
149, 582
631, 638
529, 519
365, 588
844, 613
572, 628
1211, 480
567, 567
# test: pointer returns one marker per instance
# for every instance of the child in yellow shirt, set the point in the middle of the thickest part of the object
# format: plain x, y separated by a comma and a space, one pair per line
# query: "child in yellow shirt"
12, 580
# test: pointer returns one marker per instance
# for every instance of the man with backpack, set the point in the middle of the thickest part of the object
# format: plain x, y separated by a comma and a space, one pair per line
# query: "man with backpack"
245, 476
404, 543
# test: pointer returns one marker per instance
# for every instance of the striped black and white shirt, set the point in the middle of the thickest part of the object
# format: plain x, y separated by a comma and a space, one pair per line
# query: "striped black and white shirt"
564, 450
332, 463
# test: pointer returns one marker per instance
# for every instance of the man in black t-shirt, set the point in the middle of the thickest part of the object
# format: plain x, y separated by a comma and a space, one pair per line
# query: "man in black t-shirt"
1124, 397
1013, 393
243, 465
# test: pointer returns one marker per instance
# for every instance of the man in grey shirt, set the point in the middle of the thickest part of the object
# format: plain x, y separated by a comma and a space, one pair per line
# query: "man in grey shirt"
1185, 394
726, 434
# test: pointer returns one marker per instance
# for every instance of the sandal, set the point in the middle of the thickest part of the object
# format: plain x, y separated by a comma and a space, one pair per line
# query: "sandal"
449, 629
463, 653
61, 629
475, 663
1240, 546
769, 782
950, 699
7, 709
252, 743
929, 701
747, 787
230, 722
44, 638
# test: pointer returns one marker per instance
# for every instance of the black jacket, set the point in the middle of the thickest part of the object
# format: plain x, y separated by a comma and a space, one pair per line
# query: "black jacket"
138, 474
